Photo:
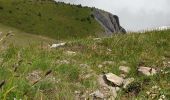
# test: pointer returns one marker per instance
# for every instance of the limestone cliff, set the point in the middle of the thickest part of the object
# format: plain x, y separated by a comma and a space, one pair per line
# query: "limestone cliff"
109, 21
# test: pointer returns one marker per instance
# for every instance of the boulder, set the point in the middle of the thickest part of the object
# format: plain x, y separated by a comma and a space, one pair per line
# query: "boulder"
116, 80
147, 71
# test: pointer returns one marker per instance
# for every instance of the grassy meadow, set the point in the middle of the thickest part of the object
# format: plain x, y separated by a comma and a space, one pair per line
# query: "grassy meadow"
61, 74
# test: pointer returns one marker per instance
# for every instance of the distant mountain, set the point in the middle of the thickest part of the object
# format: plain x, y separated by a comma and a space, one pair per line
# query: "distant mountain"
57, 20
161, 28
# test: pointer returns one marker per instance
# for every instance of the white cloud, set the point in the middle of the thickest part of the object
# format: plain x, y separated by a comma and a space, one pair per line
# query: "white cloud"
134, 14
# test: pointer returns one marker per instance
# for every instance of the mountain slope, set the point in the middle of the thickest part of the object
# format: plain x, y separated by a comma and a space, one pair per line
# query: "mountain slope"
49, 18
56, 20
21, 38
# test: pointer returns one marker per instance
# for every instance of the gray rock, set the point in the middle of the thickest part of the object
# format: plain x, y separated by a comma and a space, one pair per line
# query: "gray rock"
123, 76
127, 81
100, 66
95, 39
62, 62
57, 45
109, 91
109, 21
108, 63
116, 80
34, 76
102, 81
114, 91
70, 53
168, 62
84, 65
124, 69
147, 71
97, 94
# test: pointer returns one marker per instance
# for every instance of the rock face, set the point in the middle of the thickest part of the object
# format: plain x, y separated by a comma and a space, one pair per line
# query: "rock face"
109, 21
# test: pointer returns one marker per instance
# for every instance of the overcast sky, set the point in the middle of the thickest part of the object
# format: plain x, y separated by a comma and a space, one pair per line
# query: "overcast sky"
133, 14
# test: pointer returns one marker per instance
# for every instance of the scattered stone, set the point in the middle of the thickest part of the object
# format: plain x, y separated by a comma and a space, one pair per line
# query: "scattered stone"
162, 97
154, 92
97, 94
122, 75
102, 81
51, 79
109, 50
127, 81
77, 92
124, 69
147, 71
96, 39
108, 63
168, 62
57, 45
110, 92
70, 53
87, 76
34, 77
155, 87
100, 66
114, 91
84, 65
63, 62
116, 80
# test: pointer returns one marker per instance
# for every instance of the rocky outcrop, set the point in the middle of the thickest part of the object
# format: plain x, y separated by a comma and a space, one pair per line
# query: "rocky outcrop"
109, 21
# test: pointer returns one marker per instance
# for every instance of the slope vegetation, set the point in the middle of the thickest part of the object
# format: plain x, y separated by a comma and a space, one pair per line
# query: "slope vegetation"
48, 18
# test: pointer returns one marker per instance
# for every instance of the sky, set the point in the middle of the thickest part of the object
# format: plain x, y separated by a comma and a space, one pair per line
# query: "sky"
134, 15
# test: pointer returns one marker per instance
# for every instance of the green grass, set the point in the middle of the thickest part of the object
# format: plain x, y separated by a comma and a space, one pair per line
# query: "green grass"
21, 38
152, 48
48, 18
